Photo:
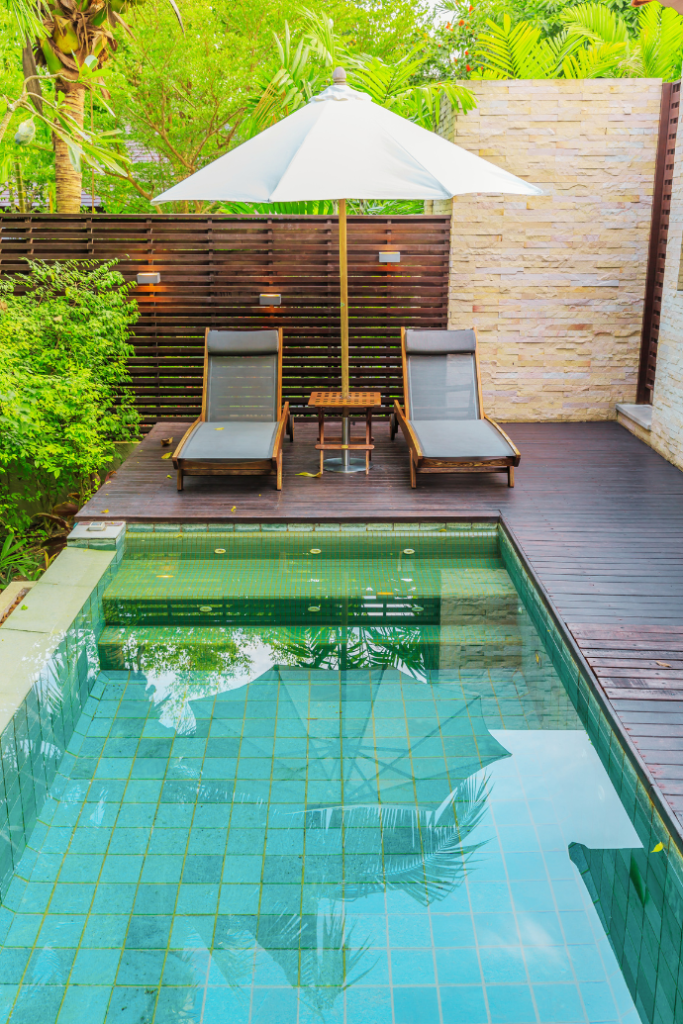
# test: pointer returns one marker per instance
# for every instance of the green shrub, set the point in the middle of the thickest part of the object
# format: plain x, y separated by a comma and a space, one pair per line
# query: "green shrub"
64, 381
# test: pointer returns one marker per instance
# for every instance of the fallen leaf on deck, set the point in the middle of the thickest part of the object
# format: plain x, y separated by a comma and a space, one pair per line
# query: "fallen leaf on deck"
663, 664
312, 475
167, 455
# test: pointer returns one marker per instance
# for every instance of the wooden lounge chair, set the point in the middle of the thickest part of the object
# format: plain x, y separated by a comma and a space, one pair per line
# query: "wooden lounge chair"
243, 421
443, 421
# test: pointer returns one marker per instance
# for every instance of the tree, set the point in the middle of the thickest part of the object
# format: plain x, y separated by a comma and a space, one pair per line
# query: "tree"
74, 38
594, 43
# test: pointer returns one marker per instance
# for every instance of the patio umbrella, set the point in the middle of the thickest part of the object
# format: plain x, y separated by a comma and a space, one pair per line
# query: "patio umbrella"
341, 146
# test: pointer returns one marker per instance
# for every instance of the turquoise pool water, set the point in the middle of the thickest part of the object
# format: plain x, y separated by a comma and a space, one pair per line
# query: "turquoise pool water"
265, 818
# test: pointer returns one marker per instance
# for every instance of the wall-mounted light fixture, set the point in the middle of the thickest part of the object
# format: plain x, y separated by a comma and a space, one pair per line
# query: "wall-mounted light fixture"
152, 278
389, 257
270, 299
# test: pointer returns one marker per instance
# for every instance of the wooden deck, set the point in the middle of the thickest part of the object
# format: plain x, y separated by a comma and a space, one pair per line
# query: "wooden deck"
598, 515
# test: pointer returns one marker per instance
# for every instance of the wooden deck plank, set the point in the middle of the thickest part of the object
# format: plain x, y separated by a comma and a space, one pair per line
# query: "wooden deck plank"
598, 515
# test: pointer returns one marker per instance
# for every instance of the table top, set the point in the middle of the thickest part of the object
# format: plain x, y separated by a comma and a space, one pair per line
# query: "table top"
335, 399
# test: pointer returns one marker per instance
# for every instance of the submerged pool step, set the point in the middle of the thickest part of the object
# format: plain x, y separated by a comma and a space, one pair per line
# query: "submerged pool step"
214, 648
305, 591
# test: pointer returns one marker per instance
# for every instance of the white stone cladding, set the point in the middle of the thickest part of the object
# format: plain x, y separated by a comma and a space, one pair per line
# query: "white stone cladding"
555, 285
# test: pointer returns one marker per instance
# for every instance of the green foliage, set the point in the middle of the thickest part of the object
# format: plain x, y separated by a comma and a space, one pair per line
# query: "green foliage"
19, 558
64, 395
595, 42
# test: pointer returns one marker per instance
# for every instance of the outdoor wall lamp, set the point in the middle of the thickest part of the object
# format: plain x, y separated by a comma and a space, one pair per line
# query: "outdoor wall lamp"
153, 278
270, 299
389, 257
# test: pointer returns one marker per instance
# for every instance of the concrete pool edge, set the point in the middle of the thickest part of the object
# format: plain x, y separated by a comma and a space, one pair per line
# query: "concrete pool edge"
47, 651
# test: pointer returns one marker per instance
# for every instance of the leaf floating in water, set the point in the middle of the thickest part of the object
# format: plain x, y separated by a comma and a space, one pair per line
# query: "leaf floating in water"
537, 658
219, 551
205, 608
163, 576
315, 551
313, 476
658, 848
409, 551
314, 608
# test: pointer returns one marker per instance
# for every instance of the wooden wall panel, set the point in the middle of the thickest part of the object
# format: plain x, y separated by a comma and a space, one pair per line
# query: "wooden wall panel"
213, 270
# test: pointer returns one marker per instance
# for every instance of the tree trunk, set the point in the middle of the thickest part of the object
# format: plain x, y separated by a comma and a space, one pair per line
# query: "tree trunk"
68, 179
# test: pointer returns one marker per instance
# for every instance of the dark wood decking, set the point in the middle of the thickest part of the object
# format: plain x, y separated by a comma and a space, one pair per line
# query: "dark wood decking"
598, 515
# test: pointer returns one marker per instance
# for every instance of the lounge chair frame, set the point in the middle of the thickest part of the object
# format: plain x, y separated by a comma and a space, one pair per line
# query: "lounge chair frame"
237, 467
419, 463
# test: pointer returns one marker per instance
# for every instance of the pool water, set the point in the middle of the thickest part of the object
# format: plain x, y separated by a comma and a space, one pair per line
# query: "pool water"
318, 779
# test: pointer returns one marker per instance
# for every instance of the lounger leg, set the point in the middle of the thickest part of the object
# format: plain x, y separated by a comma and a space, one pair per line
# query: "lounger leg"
180, 479
278, 479
290, 428
413, 473
322, 461
511, 476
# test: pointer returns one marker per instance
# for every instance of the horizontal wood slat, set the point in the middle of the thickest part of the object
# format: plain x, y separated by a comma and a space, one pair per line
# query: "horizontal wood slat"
213, 270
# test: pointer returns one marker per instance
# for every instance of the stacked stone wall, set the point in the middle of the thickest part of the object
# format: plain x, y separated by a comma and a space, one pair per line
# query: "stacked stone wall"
555, 284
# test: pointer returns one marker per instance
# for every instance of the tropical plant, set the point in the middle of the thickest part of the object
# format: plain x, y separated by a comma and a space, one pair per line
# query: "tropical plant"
18, 557
594, 43
64, 381
305, 68
71, 39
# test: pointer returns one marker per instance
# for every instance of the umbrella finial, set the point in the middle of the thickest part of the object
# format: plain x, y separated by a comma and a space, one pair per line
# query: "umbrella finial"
339, 76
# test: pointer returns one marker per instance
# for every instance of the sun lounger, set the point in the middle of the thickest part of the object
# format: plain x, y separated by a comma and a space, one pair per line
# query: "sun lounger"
243, 421
443, 421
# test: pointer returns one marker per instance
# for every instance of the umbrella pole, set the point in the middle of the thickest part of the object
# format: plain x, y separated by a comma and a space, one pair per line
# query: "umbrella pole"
345, 464
344, 315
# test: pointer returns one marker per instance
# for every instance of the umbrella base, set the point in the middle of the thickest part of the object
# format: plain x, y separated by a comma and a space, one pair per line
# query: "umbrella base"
339, 466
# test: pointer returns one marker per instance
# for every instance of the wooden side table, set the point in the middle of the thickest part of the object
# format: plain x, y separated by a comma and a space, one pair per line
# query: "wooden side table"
335, 403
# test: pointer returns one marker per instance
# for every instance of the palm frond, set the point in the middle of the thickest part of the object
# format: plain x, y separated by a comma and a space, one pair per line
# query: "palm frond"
507, 51
595, 23
595, 61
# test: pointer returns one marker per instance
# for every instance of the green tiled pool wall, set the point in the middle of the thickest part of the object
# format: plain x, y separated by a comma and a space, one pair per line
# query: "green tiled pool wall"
33, 745
638, 894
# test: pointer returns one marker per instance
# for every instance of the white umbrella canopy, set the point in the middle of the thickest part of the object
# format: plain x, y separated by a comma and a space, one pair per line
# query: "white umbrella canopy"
342, 145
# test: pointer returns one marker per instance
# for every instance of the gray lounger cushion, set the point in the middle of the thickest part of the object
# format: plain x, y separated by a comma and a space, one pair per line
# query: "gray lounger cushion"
455, 439
242, 343
439, 342
443, 387
233, 439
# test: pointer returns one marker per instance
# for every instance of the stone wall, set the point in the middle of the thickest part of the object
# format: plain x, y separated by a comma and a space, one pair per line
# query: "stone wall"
666, 435
555, 284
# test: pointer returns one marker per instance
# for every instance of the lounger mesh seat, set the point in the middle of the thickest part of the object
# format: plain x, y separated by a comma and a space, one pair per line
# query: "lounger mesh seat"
241, 420
443, 420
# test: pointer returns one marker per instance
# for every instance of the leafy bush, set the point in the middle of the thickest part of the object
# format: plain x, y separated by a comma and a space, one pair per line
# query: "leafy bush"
64, 381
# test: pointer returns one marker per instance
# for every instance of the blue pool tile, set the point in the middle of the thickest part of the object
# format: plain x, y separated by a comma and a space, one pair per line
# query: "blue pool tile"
496, 929
511, 1004
72, 898
599, 1001
130, 1005
563, 1003
39, 1003
274, 1006
140, 967
61, 930
458, 967
95, 967
576, 927
148, 932
490, 897
587, 965
502, 964
155, 899
541, 929
113, 899
161, 869
532, 896
415, 1005
105, 931
7, 996
549, 963
463, 1004
452, 929
85, 1002
410, 930
371, 1005
416, 964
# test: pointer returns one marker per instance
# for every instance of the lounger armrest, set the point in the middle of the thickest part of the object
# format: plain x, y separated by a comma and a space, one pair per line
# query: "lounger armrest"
508, 439
408, 432
281, 427
176, 453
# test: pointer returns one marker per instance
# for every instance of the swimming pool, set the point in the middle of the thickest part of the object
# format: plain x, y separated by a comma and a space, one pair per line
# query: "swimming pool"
339, 776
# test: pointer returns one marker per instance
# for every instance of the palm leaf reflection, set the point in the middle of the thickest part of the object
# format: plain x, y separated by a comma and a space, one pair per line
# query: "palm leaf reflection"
353, 647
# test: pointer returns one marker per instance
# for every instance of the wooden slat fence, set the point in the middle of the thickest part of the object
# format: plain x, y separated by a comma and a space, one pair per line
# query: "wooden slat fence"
659, 233
213, 269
